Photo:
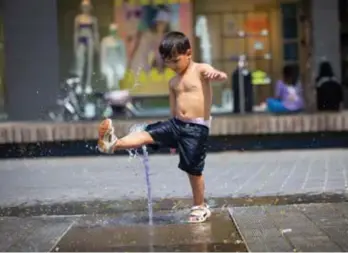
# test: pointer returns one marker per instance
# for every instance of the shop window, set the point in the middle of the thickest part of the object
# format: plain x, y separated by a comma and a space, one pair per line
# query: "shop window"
290, 33
2, 70
289, 21
290, 51
289, 10
290, 29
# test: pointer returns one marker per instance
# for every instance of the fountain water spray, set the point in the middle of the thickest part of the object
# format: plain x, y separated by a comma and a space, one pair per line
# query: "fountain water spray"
148, 184
145, 160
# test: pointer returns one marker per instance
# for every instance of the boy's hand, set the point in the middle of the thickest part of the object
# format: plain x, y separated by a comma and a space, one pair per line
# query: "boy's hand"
215, 75
208, 72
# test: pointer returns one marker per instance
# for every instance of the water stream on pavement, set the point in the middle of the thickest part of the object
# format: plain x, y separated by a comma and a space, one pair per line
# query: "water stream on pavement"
145, 160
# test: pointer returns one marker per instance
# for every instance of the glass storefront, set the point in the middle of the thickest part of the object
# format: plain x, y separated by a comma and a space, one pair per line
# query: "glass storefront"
265, 32
112, 45
2, 70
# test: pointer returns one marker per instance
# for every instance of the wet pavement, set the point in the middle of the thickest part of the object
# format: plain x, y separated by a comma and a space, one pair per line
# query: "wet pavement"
267, 228
97, 204
168, 204
305, 227
127, 232
35, 234
169, 233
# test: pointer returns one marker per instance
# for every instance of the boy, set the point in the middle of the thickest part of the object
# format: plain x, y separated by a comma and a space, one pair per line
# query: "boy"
188, 129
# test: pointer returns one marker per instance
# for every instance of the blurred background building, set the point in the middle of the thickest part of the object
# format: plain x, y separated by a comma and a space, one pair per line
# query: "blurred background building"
37, 50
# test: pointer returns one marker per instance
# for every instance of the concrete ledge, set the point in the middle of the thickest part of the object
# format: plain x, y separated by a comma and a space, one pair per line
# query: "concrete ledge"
29, 132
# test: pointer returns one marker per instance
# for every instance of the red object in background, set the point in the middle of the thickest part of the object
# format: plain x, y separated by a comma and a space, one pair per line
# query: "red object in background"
256, 24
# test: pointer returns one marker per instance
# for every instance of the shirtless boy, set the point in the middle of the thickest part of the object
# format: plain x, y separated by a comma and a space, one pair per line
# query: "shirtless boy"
188, 129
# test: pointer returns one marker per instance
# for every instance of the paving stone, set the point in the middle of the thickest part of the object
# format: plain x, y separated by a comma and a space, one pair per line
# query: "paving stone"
32, 234
131, 232
260, 220
290, 228
260, 245
342, 208
314, 243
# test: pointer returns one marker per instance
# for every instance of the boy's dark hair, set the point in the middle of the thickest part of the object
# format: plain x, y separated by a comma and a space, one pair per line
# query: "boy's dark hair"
173, 44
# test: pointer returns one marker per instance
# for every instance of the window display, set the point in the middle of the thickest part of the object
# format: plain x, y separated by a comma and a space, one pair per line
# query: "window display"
2, 70
110, 47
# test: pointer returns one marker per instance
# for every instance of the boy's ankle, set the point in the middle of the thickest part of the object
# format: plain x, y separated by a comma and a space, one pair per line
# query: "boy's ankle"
115, 146
107, 147
200, 205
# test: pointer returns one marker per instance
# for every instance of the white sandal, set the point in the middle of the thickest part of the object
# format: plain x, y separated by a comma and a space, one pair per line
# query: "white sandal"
199, 214
107, 142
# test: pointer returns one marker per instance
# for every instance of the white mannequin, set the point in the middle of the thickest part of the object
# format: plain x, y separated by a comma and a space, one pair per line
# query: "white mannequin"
113, 58
86, 40
203, 33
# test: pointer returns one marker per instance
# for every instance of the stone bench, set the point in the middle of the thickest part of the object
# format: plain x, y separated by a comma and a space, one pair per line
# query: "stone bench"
257, 124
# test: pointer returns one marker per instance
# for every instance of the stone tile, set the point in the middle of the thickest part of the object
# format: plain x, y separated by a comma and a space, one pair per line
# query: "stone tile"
290, 227
260, 245
259, 221
129, 232
36, 234
314, 243
278, 245
342, 208
341, 242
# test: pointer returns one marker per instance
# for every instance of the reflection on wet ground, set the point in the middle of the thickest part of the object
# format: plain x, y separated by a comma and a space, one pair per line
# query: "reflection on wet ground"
130, 232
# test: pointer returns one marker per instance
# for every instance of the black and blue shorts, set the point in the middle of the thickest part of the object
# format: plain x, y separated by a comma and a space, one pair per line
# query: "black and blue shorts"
189, 139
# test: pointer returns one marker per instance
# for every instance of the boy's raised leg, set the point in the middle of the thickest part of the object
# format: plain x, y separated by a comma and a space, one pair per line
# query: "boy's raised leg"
108, 142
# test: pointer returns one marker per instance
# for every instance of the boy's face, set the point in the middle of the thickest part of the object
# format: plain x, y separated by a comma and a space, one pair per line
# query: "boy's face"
179, 62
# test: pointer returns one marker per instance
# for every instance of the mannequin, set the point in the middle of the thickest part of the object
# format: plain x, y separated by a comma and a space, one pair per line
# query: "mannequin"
113, 58
202, 32
86, 40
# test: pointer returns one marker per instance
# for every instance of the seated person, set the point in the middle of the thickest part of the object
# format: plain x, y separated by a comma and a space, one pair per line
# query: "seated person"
329, 89
288, 93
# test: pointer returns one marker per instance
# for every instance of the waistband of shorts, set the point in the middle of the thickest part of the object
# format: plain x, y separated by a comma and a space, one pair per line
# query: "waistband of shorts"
198, 121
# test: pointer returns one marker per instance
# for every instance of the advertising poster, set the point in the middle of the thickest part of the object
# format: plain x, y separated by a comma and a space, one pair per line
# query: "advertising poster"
142, 25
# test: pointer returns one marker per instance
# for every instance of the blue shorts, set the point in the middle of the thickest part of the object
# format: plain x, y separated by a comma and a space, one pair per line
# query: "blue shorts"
276, 106
188, 138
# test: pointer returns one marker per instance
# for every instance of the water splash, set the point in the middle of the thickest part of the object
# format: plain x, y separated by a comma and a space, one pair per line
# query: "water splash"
136, 80
148, 184
145, 159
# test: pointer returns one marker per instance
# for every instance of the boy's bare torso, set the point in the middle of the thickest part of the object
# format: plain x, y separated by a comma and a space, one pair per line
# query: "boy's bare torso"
193, 94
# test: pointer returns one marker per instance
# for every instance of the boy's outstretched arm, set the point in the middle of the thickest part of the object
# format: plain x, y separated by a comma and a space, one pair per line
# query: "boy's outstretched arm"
212, 74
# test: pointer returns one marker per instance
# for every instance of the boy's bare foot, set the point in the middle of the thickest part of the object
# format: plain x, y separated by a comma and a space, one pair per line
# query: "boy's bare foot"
106, 137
